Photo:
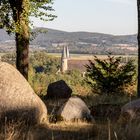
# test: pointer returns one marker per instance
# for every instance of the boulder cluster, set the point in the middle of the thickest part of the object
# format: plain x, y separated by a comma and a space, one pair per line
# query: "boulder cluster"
18, 101
73, 108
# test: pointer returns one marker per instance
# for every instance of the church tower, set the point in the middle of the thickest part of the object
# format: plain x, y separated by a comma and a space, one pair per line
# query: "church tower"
64, 59
67, 52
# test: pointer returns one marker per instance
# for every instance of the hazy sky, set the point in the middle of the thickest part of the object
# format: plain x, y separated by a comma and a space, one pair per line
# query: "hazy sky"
105, 16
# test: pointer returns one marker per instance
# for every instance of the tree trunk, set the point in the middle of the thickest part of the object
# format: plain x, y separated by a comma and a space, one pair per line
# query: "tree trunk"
138, 37
20, 15
22, 51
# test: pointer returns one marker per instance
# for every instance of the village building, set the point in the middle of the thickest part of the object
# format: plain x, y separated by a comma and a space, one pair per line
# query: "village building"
68, 63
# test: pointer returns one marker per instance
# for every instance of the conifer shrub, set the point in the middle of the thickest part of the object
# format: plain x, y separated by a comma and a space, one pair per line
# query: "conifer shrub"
111, 75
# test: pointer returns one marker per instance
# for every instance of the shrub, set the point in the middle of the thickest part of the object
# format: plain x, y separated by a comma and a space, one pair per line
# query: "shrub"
9, 58
109, 75
42, 62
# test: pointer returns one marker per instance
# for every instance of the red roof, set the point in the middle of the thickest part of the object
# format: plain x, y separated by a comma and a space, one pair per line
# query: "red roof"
77, 64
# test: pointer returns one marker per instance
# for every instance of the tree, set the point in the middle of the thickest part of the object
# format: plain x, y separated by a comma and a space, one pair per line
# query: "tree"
14, 17
138, 37
45, 63
109, 75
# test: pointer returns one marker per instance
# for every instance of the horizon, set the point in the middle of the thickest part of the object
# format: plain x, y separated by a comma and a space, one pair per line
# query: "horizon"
84, 31
79, 31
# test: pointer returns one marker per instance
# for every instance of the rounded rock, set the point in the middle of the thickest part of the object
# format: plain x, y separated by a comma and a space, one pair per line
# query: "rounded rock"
74, 108
17, 98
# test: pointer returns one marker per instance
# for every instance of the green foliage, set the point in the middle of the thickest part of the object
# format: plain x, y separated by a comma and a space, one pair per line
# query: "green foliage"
109, 75
40, 8
40, 80
47, 63
15, 18
9, 58
36, 8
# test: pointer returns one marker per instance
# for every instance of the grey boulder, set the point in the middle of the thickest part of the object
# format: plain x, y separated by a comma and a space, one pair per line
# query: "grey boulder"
17, 98
74, 109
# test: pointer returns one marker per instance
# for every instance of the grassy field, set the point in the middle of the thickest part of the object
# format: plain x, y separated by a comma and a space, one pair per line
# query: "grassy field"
87, 56
83, 56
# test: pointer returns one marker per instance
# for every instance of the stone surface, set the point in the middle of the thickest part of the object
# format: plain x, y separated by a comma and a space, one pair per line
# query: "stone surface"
132, 109
17, 98
58, 89
73, 109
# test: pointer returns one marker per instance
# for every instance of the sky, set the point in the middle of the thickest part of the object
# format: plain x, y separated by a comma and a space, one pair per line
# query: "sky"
118, 17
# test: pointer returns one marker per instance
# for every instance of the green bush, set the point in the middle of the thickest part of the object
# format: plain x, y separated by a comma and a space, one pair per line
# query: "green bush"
9, 58
47, 64
109, 75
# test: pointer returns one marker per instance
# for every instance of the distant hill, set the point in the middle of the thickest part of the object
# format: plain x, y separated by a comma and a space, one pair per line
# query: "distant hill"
78, 42
4, 36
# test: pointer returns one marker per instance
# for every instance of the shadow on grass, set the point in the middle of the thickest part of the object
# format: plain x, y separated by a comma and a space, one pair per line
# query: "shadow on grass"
68, 131
20, 131
62, 132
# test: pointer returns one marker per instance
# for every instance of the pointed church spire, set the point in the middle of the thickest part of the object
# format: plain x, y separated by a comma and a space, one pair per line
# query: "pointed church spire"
64, 59
64, 53
67, 52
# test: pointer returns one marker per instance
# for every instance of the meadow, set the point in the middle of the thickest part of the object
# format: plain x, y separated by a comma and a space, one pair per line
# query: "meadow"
88, 56
106, 109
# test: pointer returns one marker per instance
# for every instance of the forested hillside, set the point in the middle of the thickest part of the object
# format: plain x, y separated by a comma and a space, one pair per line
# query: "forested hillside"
78, 42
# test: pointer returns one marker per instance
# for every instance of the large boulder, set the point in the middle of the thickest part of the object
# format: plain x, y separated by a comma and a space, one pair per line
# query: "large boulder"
17, 98
58, 89
74, 109
131, 110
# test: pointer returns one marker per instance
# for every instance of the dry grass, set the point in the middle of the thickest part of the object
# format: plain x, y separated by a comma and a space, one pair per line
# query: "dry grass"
71, 131
14, 131
59, 131
101, 130
86, 56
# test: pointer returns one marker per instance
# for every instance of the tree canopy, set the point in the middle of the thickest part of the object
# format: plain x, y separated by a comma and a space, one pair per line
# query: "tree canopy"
109, 76
36, 8
15, 17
